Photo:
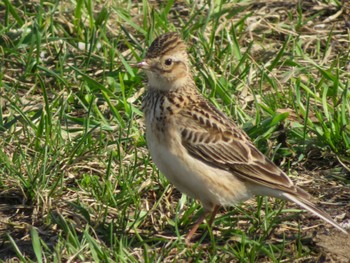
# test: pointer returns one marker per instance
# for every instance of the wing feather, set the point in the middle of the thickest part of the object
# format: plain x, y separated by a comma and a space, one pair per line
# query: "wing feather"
217, 141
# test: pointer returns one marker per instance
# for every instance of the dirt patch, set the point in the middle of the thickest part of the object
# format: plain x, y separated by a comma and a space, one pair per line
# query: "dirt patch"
335, 244
15, 223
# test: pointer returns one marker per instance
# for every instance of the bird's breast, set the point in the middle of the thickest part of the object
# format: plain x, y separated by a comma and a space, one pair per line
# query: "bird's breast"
187, 173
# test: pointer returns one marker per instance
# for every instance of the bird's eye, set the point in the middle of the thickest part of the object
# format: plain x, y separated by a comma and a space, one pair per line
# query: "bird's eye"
168, 62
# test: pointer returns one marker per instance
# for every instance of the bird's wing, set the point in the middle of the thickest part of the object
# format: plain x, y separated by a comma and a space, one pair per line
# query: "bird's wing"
210, 136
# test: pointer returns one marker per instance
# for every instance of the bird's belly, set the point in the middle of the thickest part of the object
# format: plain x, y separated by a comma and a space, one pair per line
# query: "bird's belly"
212, 186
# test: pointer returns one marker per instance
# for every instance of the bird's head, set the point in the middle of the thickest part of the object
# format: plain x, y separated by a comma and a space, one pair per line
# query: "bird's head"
166, 63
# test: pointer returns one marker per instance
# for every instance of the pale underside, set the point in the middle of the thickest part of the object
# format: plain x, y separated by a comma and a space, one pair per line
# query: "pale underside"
211, 185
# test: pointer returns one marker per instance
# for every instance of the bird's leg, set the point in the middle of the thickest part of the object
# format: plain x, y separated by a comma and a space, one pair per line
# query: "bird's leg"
200, 221
213, 214
195, 227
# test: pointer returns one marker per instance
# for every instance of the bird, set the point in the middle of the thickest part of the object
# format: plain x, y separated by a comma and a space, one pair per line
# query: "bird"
200, 150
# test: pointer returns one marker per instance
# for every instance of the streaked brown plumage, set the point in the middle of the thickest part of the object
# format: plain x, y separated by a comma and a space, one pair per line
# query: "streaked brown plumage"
198, 148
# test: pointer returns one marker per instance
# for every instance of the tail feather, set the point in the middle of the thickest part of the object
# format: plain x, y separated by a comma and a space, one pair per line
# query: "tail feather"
308, 205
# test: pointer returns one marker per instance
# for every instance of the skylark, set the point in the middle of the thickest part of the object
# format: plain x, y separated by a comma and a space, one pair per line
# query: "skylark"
197, 147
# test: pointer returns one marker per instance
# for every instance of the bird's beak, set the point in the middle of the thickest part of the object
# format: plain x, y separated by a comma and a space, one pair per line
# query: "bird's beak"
142, 65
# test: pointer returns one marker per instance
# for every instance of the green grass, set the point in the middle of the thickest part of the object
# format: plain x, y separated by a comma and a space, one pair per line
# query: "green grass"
76, 180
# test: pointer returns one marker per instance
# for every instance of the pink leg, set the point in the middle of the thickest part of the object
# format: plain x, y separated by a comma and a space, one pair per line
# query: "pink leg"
213, 214
200, 221
195, 227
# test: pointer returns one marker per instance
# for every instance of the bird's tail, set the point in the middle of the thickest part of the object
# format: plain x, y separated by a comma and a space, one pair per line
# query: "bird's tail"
303, 200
